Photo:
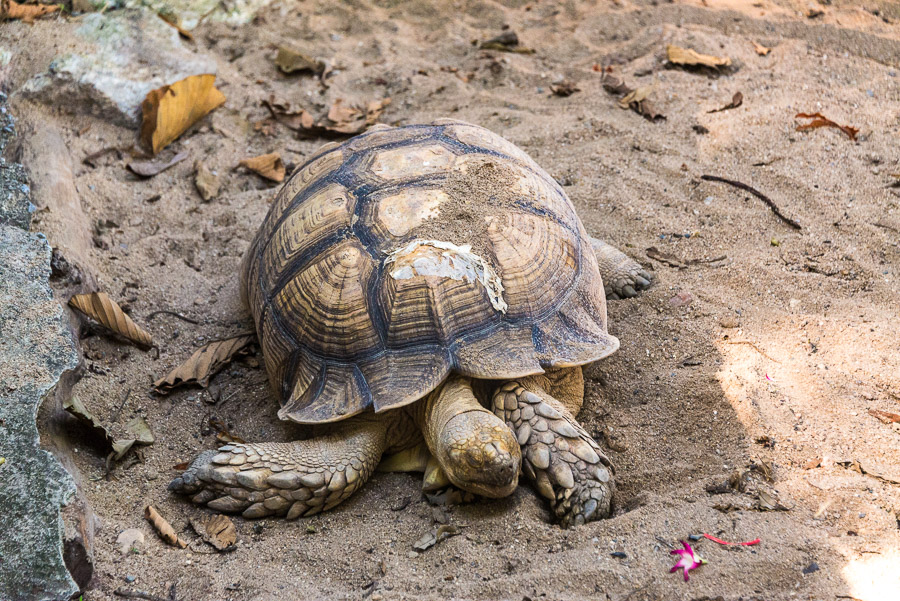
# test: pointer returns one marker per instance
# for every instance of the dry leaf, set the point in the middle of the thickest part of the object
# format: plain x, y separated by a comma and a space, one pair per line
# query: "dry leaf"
206, 182
151, 168
564, 88
100, 307
812, 463
222, 433
432, 538
173, 21
204, 363
636, 99
767, 502
137, 428
26, 12
691, 58
760, 49
819, 120
162, 527
217, 530
270, 166
170, 110
885, 416
507, 41
292, 61
736, 101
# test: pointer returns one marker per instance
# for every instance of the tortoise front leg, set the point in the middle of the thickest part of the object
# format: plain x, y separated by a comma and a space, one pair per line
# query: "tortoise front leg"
566, 465
287, 479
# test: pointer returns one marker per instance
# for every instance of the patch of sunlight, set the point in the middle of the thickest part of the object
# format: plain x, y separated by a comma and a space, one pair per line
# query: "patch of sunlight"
874, 577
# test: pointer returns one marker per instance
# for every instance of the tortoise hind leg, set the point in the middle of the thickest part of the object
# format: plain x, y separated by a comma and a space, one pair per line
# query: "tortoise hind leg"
287, 479
623, 277
565, 464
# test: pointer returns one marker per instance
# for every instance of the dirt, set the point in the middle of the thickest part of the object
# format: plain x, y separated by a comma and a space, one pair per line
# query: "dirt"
771, 358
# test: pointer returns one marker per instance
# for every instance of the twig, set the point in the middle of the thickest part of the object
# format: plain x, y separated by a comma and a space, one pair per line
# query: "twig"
130, 593
756, 193
758, 350
115, 416
173, 314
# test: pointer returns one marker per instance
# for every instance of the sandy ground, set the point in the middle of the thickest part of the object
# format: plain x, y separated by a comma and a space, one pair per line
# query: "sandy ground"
784, 347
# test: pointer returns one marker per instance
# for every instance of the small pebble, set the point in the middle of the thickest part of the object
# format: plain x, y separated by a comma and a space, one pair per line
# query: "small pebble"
619, 555
813, 567
129, 579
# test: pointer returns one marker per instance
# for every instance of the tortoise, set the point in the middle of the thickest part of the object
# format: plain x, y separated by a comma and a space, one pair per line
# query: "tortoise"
424, 294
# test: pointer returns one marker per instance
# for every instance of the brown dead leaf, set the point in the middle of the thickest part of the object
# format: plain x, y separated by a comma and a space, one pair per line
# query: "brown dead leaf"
292, 61
812, 463
564, 88
138, 429
204, 363
26, 12
760, 49
173, 21
206, 182
269, 166
507, 41
170, 110
636, 99
691, 58
432, 538
222, 433
736, 101
98, 306
819, 120
885, 416
217, 530
151, 168
162, 527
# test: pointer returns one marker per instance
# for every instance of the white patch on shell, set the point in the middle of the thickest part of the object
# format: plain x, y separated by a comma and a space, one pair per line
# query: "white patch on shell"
445, 259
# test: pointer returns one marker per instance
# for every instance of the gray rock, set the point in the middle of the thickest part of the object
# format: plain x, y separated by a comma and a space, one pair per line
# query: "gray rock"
15, 208
135, 52
36, 347
189, 13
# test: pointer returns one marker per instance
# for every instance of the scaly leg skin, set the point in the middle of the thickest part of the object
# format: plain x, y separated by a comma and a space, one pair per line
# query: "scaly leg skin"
565, 464
623, 277
290, 479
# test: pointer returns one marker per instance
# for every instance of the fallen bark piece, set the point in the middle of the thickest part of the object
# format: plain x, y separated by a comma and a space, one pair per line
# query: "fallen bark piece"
170, 110
163, 528
26, 12
98, 306
206, 182
204, 363
269, 166
687, 57
151, 168
564, 88
217, 530
736, 101
820, 120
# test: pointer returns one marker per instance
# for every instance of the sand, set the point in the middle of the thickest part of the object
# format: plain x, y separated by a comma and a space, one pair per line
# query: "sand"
783, 348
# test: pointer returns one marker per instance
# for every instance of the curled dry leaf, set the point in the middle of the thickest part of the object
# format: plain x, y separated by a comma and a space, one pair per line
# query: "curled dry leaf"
736, 101
138, 429
760, 49
98, 306
217, 530
691, 58
163, 528
346, 119
170, 110
151, 168
204, 363
206, 182
222, 433
564, 88
507, 41
636, 100
432, 538
885, 416
820, 120
269, 166
26, 12
292, 61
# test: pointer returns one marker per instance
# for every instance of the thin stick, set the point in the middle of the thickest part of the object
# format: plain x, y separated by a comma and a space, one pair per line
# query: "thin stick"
130, 593
173, 314
115, 416
758, 350
756, 193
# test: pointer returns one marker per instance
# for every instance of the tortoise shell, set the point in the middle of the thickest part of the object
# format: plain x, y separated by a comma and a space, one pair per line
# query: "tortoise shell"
404, 253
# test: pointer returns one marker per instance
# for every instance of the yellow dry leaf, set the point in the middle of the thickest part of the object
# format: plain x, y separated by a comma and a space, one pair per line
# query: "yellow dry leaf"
98, 306
170, 110
26, 12
688, 57
760, 49
162, 527
204, 363
270, 166
638, 95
